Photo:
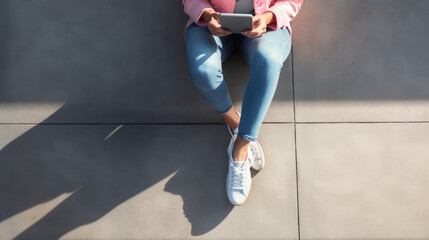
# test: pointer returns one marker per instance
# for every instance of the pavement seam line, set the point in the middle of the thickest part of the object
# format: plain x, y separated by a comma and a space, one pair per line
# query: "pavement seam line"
295, 143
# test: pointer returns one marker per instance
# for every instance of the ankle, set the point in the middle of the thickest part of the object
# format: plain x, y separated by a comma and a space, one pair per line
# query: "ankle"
241, 156
242, 142
231, 117
240, 149
232, 124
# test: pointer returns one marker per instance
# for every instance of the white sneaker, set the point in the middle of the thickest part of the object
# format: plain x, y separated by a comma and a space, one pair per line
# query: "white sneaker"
255, 147
259, 162
239, 179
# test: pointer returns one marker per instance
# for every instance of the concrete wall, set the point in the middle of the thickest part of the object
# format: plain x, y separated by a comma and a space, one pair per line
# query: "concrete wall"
108, 61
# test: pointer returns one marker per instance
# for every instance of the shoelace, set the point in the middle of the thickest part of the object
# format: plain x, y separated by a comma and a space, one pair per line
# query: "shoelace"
239, 180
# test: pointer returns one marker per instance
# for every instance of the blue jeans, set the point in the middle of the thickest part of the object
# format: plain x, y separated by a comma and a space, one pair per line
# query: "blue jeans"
265, 56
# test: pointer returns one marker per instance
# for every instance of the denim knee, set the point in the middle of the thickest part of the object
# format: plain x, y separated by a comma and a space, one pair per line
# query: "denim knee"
207, 76
208, 79
267, 60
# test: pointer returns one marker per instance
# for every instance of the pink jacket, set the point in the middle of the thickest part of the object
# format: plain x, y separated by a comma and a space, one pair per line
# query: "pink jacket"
283, 10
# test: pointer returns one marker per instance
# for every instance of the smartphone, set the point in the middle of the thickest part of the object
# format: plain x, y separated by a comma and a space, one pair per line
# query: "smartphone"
236, 22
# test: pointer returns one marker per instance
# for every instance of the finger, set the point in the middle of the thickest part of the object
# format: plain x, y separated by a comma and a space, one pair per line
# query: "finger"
216, 24
260, 26
216, 16
226, 31
258, 31
249, 34
256, 20
217, 27
254, 33
223, 32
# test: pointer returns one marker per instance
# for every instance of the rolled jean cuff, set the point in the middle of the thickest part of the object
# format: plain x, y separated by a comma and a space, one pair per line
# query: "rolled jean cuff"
247, 137
221, 112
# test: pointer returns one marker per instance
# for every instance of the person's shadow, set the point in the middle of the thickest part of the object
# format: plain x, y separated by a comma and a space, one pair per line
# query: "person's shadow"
104, 168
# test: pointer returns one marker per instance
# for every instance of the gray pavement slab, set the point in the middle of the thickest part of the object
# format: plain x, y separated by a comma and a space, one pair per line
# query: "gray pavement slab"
363, 181
361, 60
140, 182
105, 61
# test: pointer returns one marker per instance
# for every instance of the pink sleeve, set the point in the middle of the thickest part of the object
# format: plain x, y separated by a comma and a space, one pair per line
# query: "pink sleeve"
284, 11
195, 8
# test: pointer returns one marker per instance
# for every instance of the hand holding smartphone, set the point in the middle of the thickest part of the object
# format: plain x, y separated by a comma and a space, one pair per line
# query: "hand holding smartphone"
236, 22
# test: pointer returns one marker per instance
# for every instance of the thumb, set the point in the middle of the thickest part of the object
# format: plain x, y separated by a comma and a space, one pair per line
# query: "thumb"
216, 16
216, 24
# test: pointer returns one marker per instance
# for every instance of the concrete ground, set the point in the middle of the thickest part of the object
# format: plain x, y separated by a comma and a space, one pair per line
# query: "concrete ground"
104, 136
